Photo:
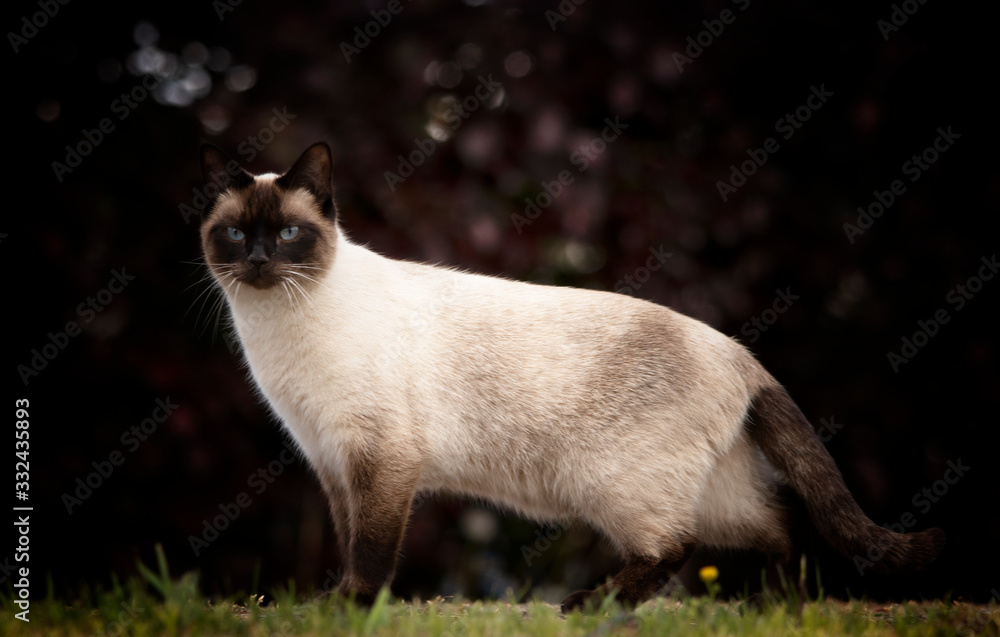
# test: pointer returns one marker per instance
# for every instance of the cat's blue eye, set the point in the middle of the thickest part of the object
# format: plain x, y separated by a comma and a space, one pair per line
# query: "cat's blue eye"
289, 232
235, 234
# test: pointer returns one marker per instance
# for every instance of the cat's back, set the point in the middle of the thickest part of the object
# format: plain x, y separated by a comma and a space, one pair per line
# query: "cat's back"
565, 349
539, 321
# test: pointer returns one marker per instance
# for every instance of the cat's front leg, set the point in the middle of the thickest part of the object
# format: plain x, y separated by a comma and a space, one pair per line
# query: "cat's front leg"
336, 497
379, 485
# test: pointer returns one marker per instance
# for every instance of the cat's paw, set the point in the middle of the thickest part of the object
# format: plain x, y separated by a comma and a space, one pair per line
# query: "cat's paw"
582, 600
362, 599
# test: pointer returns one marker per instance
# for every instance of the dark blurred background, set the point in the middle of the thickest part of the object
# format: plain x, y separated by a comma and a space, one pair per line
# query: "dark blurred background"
223, 71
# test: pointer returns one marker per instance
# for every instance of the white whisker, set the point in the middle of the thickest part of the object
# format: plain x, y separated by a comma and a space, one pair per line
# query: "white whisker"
203, 262
300, 289
207, 294
234, 280
207, 290
208, 276
220, 304
291, 300
304, 276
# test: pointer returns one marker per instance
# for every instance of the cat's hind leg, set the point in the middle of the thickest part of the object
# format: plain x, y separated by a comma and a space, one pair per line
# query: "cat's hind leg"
641, 578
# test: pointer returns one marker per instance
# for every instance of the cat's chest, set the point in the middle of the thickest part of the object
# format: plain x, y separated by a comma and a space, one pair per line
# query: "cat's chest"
277, 352
313, 377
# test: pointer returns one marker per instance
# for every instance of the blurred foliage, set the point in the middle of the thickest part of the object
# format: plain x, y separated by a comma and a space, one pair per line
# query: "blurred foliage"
159, 605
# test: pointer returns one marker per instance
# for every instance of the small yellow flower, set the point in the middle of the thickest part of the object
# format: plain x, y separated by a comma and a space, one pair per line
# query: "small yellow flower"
708, 574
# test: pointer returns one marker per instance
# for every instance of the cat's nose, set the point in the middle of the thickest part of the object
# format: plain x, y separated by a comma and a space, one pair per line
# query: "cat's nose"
258, 256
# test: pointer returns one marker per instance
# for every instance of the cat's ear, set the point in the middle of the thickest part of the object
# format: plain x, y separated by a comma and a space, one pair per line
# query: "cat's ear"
313, 171
221, 171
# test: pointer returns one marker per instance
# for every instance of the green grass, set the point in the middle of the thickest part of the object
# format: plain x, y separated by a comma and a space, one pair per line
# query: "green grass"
160, 605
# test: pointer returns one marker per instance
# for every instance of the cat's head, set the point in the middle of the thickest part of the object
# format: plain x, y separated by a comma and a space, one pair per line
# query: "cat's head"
269, 230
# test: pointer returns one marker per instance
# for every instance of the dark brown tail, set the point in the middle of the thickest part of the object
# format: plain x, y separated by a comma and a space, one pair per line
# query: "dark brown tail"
777, 424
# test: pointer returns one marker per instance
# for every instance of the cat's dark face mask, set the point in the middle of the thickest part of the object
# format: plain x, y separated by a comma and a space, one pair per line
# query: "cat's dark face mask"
269, 231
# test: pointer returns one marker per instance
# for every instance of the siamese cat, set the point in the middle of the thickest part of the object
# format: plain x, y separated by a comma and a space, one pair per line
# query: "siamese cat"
561, 404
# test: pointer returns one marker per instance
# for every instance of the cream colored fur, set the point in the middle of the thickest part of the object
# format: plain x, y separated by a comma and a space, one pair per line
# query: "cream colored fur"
555, 402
